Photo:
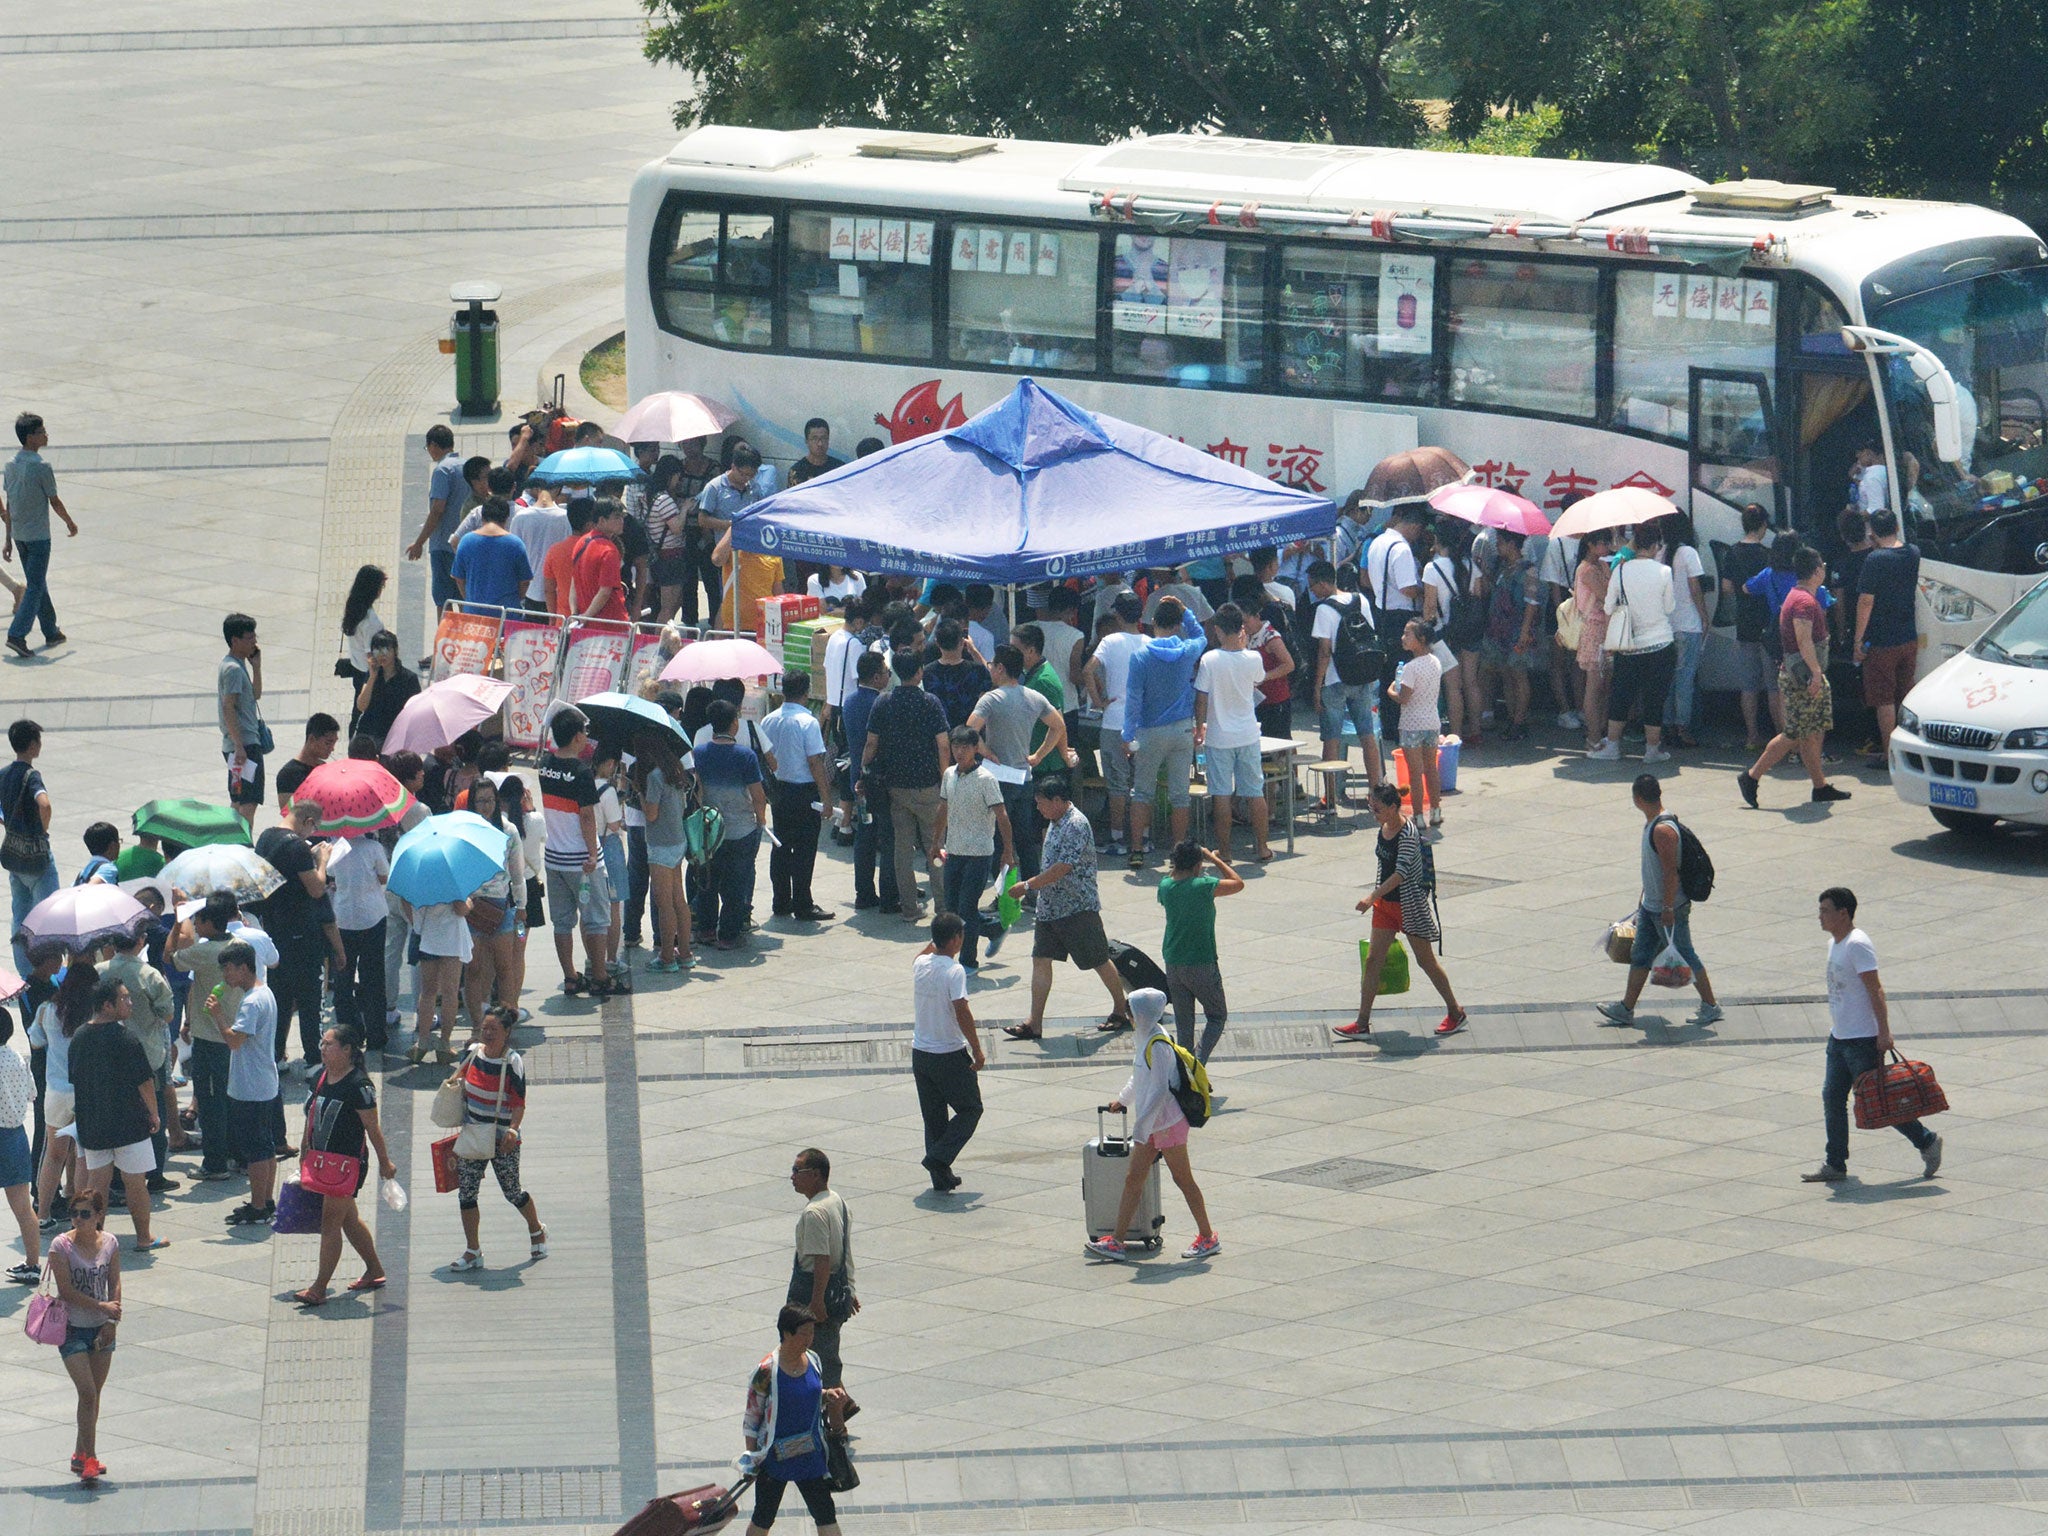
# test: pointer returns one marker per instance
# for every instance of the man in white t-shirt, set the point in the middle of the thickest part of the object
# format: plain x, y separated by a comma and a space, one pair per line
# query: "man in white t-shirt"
1859, 1035
1392, 577
945, 1051
1560, 564
1106, 675
1688, 627
1227, 729
540, 528
1330, 696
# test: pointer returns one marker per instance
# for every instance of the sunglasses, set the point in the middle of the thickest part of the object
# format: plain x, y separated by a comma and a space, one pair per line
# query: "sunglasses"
84, 1213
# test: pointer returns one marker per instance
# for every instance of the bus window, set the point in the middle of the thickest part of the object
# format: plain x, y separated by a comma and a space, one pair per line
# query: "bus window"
1819, 321
717, 282
859, 283
1189, 310
1361, 324
1524, 335
1022, 298
1668, 323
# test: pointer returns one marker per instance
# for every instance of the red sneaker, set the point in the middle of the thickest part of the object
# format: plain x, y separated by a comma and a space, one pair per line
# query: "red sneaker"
1352, 1031
1452, 1024
91, 1470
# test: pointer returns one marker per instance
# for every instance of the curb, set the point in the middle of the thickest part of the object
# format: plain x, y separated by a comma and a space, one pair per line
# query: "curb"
568, 362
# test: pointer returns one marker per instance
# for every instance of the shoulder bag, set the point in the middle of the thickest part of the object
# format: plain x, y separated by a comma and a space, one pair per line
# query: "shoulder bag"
838, 1289
48, 1321
477, 1141
1570, 627
25, 850
447, 1109
1621, 624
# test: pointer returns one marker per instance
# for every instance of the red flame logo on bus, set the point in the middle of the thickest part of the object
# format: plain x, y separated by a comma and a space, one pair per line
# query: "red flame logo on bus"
918, 413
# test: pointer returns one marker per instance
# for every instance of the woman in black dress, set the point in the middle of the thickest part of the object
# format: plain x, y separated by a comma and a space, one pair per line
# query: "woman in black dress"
341, 1118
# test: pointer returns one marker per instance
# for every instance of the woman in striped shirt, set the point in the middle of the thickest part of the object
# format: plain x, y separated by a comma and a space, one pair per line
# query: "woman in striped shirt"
494, 1093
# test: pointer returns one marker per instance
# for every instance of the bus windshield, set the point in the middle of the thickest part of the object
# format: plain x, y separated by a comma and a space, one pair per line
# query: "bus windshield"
1991, 332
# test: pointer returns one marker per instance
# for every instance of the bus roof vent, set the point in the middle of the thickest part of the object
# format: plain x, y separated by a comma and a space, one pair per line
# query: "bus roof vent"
925, 146
1756, 196
751, 149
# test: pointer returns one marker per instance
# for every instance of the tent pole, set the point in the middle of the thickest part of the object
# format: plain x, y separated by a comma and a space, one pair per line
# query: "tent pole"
1010, 602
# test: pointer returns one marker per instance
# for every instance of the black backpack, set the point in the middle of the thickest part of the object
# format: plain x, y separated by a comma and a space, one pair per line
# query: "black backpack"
1695, 868
1355, 652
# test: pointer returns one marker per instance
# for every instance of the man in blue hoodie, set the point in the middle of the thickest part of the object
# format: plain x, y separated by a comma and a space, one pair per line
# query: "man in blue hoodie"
1159, 719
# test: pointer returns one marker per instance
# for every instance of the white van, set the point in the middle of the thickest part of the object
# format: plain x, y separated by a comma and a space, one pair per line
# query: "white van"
1972, 740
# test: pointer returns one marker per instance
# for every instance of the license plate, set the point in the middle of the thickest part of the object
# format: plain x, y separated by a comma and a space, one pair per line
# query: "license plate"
1959, 795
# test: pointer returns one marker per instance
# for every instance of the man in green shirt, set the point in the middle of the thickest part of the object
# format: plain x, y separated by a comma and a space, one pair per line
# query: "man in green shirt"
1040, 674
140, 859
1192, 976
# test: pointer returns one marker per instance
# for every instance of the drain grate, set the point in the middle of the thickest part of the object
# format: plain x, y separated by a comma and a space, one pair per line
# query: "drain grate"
1450, 884
541, 1495
1276, 1040
565, 1061
830, 1053
1347, 1173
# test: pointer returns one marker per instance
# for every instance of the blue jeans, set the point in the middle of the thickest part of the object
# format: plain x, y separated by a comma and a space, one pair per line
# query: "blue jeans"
966, 876
1847, 1061
35, 600
28, 890
729, 892
636, 884
1348, 699
442, 562
1685, 684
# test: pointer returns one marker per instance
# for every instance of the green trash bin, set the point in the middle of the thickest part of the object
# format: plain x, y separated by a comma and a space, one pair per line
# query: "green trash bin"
474, 331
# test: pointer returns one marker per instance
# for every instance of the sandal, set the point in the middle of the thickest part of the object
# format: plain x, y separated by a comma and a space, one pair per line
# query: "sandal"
538, 1244
575, 986
151, 1246
310, 1298
416, 1052
368, 1283
1023, 1032
472, 1259
444, 1056
614, 985
1115, 1022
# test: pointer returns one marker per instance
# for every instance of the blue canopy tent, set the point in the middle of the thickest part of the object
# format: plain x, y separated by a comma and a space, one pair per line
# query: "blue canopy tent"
1032, 489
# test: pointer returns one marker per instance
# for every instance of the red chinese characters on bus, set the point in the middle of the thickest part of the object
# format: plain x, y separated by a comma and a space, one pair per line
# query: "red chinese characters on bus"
1643, 480
919, 413
1296, 467
1228, 452
1561, 483
1508, 476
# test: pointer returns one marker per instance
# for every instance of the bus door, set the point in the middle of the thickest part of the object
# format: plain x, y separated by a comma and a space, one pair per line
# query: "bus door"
1733, 456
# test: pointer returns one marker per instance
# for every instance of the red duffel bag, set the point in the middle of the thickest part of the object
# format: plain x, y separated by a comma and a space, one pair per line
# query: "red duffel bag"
1895, 1092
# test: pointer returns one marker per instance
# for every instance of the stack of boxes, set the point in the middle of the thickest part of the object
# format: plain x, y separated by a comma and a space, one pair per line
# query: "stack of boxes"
803, 650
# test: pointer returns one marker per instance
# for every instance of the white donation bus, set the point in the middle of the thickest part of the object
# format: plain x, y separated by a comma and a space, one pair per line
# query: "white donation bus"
1306, 309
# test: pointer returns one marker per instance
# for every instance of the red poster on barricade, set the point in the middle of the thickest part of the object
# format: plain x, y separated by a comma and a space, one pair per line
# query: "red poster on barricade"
597, 654
464, 643
531, 652
648, 660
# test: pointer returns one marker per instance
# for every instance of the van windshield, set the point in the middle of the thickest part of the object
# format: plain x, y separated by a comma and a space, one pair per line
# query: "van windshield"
2021, 636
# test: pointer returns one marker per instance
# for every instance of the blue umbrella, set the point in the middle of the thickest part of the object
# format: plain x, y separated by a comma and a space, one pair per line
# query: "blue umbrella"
446, 858
585, 466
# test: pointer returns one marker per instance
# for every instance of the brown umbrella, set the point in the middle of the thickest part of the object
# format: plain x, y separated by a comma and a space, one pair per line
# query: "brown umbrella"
1412, 475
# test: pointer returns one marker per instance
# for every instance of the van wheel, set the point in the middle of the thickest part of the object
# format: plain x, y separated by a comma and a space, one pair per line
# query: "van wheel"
1969, 823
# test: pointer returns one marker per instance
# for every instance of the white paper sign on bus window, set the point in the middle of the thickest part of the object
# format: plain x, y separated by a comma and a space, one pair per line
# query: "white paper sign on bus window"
966, 250
918, 244
1728, 299
867, 239
1665, 300
1407, 304
1699, 298
1142, 274
992, 246
1048, 255
1760, 301
1017, 263
1194, 292
841, 245
892, 240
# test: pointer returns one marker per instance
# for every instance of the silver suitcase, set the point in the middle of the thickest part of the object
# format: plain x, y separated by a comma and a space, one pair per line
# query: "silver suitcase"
1105, 1161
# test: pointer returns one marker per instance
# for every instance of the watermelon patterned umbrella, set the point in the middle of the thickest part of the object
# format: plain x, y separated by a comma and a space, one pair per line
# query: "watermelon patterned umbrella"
353, 797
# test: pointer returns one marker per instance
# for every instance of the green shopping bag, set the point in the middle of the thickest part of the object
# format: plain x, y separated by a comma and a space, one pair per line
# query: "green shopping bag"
1393, 973
1008, 907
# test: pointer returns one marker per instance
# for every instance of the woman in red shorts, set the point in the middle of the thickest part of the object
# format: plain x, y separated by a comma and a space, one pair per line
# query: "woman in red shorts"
1400, 904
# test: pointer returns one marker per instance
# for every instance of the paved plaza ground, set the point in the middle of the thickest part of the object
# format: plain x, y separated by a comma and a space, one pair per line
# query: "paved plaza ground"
1545, 1276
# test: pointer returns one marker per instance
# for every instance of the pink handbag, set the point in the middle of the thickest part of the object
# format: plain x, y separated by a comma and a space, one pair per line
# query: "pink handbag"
47, 1322
329, 1173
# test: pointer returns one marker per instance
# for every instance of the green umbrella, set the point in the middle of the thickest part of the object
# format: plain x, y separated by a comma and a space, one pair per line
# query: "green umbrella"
194, 823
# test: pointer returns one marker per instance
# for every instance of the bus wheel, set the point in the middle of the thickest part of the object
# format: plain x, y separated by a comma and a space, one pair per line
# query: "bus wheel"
1969, 823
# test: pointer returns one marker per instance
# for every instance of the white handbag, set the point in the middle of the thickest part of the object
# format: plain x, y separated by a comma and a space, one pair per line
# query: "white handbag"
1621, 628
447, 1109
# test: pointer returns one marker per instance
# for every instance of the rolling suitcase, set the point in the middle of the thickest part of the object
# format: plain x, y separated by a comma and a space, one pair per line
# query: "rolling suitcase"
1104, 1162
693, 1512
1138, 969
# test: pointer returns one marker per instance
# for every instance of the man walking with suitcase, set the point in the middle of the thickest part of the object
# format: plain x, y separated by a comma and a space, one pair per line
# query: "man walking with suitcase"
1859, 1036
945, 1052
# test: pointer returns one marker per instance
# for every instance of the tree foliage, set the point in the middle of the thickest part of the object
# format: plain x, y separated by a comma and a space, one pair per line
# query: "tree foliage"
1943, 97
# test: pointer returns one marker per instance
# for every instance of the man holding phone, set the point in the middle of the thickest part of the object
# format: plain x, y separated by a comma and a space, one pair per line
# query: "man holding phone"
239, 687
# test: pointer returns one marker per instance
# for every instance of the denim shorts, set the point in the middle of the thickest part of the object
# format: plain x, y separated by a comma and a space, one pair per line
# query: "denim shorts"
1650, 939
82, 1339
1354, 700
15, 1167
1421, 740
571, 894
1234, 771
613, 850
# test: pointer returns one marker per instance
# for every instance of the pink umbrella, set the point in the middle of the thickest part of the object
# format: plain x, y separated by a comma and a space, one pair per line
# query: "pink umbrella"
706, 661
1490, 507
672, 416
80, 918
1623, 507
444, 711
11, 985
